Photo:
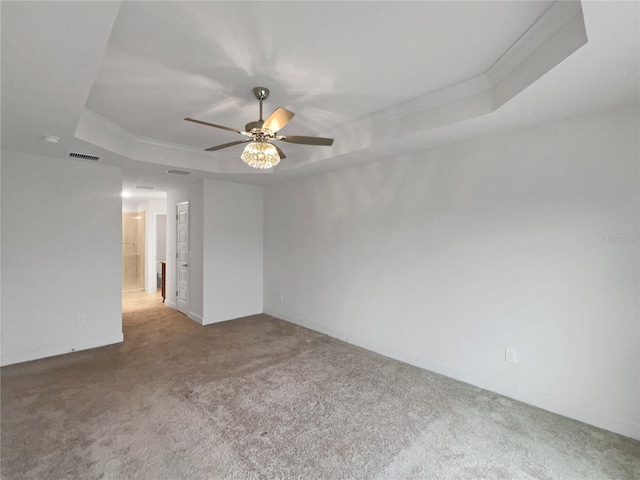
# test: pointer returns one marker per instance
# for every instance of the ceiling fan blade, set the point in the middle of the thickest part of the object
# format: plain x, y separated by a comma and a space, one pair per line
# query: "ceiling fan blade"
278, 119
213, 125
225, 145
280, 152
308, 140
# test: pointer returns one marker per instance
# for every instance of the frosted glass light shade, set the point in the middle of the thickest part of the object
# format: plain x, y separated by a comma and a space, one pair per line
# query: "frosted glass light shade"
260, 155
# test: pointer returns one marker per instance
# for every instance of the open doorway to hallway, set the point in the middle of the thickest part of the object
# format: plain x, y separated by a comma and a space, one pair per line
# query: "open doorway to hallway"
143, 240
135, 300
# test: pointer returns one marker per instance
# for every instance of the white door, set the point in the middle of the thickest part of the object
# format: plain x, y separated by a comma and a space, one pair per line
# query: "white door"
182, 257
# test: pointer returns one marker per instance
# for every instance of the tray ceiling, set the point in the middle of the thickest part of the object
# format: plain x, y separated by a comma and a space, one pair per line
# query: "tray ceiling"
382, 78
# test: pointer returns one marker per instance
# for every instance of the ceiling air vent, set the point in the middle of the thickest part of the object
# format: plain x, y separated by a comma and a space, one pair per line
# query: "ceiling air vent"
144, 187
179, 172
83, 156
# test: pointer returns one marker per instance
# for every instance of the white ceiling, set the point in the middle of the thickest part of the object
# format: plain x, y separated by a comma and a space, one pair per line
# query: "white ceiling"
382, 78
329, 62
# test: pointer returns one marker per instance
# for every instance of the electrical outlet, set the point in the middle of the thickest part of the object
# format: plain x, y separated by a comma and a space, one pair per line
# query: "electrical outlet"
82, 319
510, 355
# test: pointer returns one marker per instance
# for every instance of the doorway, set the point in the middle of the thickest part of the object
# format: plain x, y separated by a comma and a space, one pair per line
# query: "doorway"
133, 241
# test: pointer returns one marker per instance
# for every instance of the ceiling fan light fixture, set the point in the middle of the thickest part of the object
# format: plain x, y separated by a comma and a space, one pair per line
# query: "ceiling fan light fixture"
260, 155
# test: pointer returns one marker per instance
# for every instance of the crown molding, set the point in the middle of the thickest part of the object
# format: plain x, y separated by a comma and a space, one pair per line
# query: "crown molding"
552, 20
553, 37
97, 130
430, 100
91, 119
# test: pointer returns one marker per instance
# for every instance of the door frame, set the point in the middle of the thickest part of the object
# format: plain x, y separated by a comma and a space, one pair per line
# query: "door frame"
188, 258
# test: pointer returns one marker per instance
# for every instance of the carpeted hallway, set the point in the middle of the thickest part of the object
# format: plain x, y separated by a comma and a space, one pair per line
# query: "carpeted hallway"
260, 398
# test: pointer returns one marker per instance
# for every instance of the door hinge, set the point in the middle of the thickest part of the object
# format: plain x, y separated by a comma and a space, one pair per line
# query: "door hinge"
176, 216
176, 293
176, 254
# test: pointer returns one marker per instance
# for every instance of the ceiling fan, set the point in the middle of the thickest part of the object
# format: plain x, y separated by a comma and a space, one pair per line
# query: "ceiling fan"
260, 151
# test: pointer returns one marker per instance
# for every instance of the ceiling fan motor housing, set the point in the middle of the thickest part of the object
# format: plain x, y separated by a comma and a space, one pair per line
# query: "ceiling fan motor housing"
251, 125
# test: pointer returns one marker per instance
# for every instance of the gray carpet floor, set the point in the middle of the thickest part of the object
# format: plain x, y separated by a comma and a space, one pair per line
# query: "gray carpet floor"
260, 398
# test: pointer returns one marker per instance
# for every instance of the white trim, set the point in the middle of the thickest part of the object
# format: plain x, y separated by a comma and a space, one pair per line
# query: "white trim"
537, 399
429, 101
195, 317
20, 357
91, 119
557, 16
103, 133
177, 271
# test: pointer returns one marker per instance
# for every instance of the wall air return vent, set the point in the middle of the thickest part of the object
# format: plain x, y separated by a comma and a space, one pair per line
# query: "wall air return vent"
83, 156
179, 172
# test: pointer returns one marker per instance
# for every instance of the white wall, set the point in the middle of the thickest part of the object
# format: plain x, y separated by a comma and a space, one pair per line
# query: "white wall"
161, 238
232, 250
130, 206
152, 208
526, 239
61, 256
225, 267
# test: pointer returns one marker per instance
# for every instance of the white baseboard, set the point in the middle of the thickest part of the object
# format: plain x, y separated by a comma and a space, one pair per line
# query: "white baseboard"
193, 316
196, 318
536, 399
211, 319
12, 358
